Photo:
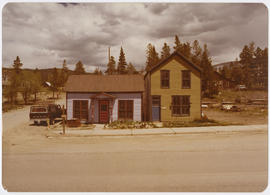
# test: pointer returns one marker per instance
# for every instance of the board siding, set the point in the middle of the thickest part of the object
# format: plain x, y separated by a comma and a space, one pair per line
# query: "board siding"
136, 97
194, 92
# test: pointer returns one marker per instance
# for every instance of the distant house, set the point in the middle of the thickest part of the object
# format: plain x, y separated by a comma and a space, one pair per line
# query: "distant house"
223, 83
103, 99
173, 90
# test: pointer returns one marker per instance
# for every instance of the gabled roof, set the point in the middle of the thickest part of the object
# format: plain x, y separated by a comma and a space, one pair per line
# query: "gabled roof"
176, 53
105, 83
102, 94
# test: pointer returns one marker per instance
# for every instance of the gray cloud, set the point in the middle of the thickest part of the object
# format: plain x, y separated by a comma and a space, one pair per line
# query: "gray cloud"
158, 8
44, 34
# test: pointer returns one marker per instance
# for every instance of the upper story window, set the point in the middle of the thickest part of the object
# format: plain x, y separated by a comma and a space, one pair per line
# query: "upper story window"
186, 79
165, 78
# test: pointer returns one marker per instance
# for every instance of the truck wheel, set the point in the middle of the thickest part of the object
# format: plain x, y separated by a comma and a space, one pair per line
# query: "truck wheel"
35, 123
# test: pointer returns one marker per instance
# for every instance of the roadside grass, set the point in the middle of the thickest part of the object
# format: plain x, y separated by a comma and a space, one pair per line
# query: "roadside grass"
255, 111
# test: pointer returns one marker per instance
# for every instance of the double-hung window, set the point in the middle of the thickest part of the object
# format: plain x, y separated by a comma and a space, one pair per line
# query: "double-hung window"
80, 109
186, 79
165, 79
180, 105
125, 109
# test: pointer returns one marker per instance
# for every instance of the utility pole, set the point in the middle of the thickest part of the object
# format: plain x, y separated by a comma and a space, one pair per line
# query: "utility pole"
63, 119
109, 54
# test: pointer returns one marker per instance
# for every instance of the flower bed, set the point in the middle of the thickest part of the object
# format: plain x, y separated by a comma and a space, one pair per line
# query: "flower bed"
195, 123
129, 125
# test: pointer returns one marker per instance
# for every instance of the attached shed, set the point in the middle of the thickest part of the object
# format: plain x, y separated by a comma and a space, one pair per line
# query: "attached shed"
104, 98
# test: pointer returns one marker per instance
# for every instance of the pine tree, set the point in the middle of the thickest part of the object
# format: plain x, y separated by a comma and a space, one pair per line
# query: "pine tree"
79, 68
226, 72
247, 60
64, 66
131, 69
64, 74
152, 57
183, 48
261, 67
36, 84
111, 66
25, 87
265, 68
178, 44
97, 71
208, 86
17, 65
237, 74
196, 53
122, 64
16, 79
165, 51
186, 50
55, 81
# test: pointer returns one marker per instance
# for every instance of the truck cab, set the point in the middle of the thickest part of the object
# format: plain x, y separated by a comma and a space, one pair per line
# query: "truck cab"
45, 113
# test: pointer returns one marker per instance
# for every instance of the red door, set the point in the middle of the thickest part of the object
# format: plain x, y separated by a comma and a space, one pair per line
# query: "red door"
103, 111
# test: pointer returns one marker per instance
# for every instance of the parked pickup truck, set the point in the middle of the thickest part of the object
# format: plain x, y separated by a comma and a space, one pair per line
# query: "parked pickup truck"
45, 113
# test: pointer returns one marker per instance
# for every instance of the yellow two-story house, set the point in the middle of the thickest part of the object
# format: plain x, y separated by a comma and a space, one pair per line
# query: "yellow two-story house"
173, 90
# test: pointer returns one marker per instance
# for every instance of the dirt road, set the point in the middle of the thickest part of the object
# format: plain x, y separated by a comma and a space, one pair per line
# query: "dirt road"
190, 162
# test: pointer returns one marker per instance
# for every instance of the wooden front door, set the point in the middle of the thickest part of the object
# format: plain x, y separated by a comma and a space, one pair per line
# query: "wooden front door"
103, 111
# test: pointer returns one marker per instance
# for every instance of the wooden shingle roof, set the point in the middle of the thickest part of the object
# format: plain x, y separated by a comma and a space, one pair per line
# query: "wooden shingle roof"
105, 83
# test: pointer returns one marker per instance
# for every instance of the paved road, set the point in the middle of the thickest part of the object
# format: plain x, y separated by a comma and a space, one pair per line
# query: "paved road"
226, 161
207, 162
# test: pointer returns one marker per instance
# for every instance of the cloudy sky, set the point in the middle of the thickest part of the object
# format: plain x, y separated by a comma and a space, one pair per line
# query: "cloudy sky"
44, 34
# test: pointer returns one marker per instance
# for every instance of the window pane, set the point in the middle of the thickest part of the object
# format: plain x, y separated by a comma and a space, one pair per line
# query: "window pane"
155, 101
165, 78
80, 109
130, 105
180, 105
121, 105
125, 109
186, 79
103, 107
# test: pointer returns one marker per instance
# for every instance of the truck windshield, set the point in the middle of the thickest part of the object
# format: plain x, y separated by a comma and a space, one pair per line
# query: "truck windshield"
38, 109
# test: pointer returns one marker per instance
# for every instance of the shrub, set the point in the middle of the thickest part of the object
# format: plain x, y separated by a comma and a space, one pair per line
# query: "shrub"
204, 121
120, 124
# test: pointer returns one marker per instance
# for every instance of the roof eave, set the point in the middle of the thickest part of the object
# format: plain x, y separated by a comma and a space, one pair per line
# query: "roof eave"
169, 57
